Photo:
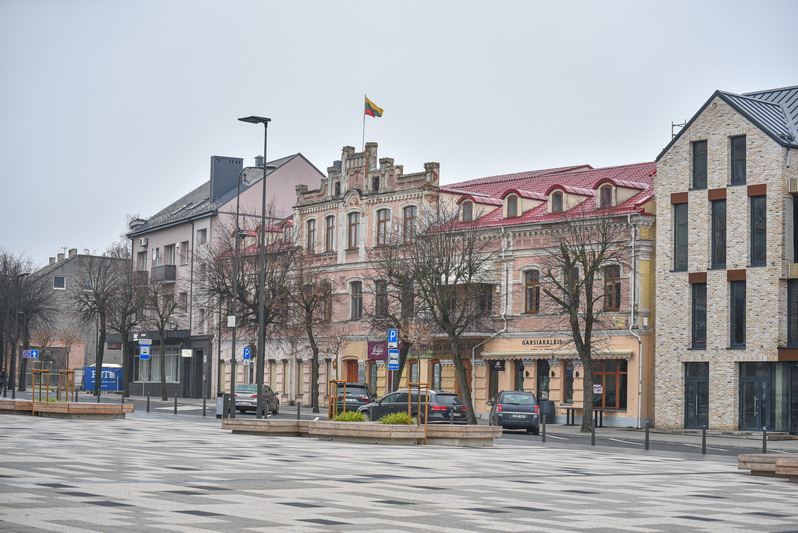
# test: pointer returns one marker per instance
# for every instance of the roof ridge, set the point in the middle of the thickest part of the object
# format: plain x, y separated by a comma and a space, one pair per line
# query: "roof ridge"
793, 87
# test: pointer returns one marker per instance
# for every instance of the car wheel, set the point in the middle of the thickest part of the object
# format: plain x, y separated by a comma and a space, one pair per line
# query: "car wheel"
240, 410
276, 410
534, 430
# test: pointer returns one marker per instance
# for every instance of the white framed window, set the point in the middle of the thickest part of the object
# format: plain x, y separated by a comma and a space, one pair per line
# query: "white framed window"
59, 283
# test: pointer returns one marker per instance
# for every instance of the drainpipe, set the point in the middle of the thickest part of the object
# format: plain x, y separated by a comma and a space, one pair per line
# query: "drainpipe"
632, 304
504, 328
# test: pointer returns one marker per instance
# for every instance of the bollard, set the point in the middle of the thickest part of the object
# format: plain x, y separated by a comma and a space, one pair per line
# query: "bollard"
123, 398
648, 426
148, 403
203, 406
543, 437
592, 434
704, 440
764, 440
98, 397
298, 405
451, 417
175, 404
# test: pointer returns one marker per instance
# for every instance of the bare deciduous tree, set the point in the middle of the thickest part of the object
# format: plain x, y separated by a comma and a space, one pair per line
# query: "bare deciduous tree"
572, 277
161, 305
453, 272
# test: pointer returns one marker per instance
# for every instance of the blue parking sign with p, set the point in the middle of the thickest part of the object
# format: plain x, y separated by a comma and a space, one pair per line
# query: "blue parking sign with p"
393, 335
247, 353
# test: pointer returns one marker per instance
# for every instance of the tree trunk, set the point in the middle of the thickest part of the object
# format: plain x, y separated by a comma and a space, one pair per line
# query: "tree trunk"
314, 368
161, 338
23, 361
587, 390
465, 386
125, 366
397, 374
98, 363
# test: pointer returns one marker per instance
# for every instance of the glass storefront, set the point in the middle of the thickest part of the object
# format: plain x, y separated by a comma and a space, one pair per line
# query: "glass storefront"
769, 396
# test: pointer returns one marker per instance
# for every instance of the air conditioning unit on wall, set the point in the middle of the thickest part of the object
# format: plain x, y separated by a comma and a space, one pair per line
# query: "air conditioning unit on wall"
143, 241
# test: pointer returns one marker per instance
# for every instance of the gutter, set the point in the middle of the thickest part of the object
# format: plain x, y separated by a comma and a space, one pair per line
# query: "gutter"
632, 305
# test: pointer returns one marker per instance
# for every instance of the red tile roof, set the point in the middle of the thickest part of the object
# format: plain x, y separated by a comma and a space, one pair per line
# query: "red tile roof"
581, 180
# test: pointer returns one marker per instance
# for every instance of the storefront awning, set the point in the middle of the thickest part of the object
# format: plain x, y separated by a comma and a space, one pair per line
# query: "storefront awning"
557, 354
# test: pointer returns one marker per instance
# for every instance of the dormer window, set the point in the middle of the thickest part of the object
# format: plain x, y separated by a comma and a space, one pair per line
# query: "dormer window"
468, 211
556, 202
512, 206
605, 197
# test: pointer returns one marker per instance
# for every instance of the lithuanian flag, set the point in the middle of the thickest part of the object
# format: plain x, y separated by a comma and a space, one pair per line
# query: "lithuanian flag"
372, 110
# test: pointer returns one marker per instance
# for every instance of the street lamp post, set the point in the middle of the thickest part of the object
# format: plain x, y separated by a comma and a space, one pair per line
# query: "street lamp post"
12, 377
234, 317
260, 408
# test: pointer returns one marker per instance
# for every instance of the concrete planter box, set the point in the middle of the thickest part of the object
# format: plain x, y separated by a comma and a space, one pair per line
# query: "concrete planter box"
368, 432
65, 409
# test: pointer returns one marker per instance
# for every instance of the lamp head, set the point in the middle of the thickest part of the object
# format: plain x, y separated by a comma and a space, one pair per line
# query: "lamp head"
256, 120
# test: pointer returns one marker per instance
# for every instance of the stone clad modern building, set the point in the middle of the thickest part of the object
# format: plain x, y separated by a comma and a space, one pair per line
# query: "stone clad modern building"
727, 266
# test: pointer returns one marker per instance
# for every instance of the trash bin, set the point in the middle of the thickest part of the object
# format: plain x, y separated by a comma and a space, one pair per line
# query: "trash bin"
547, 409
220, 407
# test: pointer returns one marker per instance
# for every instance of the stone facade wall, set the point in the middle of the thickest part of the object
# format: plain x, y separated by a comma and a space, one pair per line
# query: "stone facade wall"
765, 292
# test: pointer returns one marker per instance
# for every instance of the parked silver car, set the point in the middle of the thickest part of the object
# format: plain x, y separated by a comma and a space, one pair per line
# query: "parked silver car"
247, 398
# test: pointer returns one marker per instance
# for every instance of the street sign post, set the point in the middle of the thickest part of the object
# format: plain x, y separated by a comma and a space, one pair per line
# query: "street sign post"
393, 339
144, 351
247, 353
32, 354
393, 359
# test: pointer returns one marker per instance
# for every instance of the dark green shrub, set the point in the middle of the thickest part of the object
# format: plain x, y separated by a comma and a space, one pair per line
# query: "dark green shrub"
350, 416
396, 418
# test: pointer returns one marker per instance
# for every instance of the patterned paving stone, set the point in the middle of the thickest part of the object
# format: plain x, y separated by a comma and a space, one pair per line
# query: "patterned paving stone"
154, 474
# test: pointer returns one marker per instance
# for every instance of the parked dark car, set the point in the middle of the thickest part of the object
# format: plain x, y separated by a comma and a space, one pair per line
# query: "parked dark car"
442, 404
357, 395
515, 410
247, 398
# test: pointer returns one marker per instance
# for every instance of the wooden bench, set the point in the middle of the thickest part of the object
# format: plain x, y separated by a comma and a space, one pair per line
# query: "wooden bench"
777, 465
598, 414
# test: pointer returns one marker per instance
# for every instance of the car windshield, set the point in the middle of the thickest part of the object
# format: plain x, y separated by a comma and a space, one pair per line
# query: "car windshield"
246, 388
447, 399
519, 399
353, 390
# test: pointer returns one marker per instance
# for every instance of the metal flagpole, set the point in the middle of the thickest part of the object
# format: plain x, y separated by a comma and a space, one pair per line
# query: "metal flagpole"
363, 143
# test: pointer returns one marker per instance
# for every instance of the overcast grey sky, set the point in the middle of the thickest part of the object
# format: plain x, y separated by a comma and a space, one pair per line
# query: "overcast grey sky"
110, 108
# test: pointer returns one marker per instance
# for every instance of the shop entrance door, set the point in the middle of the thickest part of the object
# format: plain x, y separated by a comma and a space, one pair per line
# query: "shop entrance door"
754, 403
696, 395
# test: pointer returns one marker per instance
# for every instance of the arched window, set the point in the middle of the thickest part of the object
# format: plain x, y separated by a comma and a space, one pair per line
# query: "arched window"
612, 287
606, 197
383, 219
512, 206
556, 202
311, 236
356, 300
468, 211
409, 223
353, 231
531, 291
329, 234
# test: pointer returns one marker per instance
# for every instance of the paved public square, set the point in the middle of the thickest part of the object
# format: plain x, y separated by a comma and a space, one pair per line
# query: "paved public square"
153, 473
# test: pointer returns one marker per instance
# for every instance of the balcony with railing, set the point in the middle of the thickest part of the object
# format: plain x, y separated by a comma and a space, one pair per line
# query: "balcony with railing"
164, 274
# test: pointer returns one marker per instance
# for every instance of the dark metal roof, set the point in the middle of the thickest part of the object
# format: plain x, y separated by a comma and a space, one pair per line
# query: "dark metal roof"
197, 203
774, 111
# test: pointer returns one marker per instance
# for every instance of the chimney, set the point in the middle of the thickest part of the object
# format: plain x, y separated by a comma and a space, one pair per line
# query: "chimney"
60, 257
73, 252
225, 172
259, 161
52, 260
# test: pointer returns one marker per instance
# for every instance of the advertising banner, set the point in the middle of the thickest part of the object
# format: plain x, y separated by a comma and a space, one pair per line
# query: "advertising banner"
110, 378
